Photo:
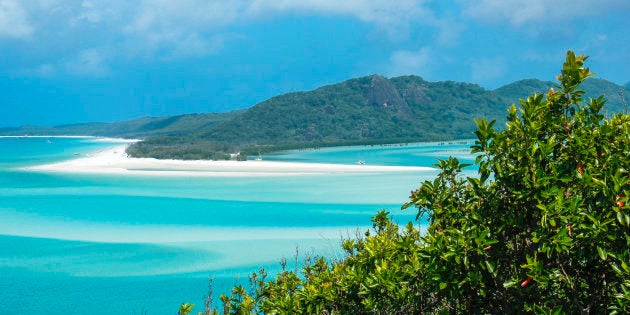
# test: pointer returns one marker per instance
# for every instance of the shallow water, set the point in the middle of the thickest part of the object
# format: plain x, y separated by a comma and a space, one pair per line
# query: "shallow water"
79, 244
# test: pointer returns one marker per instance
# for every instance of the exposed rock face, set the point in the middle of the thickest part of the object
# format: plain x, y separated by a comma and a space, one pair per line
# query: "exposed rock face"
382, 93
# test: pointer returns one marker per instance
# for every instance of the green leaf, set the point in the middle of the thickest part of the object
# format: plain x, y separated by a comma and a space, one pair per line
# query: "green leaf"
602, 253
490, 267
623, 219
557, 311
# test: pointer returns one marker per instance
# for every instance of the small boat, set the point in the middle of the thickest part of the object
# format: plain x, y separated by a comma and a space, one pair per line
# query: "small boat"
361, 162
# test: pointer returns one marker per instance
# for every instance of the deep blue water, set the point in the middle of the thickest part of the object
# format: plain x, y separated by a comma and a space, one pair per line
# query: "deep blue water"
97, 244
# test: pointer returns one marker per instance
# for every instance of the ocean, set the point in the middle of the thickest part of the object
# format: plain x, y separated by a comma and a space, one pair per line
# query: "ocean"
121, 244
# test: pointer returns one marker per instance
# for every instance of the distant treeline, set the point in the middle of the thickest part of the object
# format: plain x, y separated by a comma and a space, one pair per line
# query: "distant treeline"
171, 148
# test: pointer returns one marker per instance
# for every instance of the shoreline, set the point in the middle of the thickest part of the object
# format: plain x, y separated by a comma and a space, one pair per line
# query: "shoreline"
114, 161
93, 138
60, 136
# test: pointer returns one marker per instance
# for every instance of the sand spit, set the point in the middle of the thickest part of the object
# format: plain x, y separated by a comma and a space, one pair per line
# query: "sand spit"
114, 160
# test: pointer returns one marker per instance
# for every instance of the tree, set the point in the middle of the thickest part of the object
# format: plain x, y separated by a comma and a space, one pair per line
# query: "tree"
544, 227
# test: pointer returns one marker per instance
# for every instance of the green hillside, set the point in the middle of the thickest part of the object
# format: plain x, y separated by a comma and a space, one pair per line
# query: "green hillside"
595, 87
518, 89
366, 110
613, 93
370, 109
136, 128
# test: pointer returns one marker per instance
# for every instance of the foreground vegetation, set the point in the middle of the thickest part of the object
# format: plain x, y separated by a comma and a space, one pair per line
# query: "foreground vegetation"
544, 228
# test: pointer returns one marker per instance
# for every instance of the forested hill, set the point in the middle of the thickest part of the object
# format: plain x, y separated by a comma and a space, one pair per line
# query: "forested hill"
366, 110
594, 87
370, 109
136, 128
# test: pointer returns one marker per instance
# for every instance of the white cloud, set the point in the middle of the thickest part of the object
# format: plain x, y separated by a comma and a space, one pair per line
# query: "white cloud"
449, 32
382, 12
193, 15
195, 46
532, 55
186, 28
42, 71
89, 63
396, 19
164, 24
45, 70
405, 62
166, 29
90, 13
487, 69
519, 13
14, 20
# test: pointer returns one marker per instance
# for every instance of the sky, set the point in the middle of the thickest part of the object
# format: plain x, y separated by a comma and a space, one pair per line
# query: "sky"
73, 61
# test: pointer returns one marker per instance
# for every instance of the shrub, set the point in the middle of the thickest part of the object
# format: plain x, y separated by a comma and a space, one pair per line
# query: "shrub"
544, 227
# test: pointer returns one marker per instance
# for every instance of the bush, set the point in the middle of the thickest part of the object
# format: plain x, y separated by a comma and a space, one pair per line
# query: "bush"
544, 228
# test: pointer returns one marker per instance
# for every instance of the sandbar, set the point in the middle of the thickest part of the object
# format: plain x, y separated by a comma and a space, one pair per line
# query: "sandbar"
115, 161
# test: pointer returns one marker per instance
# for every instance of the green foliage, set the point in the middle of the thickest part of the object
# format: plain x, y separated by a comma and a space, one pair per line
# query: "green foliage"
544, 228
378, 276
185, 149
185, 309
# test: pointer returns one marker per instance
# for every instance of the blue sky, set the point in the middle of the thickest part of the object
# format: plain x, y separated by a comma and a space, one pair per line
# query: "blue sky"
69, 61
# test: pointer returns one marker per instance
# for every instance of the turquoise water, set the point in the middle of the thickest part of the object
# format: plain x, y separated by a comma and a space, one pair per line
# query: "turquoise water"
413, 154
95, 244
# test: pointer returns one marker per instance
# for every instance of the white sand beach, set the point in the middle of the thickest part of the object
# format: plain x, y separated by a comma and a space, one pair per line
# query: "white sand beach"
115, 161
